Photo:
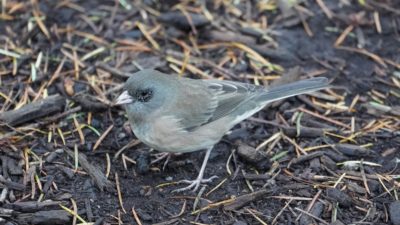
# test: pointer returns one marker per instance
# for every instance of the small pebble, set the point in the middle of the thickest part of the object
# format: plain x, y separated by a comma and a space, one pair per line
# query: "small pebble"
250, 154
121, 135
374, 185
143, 162
59, 151
315, 164
51, 157
394, 211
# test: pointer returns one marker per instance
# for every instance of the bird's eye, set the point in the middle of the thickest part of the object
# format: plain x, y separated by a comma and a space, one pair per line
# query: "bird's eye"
144, 95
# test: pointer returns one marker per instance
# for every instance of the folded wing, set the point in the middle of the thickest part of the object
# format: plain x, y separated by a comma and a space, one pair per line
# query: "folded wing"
210, 100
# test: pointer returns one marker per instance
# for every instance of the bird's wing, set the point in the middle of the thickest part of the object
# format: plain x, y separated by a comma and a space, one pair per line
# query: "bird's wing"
230, 95
210, 100
205, 101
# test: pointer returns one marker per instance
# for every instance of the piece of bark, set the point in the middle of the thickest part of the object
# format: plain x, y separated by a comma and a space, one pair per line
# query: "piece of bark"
32, 206
12, 166
90, 103
89, 212
336, 156
394, 212
256, 176
94, 172
316, 211
11, 184
306, 157
249, 31
228, 36
6, 212
246, 199
354, 187
304, 132
353, 150
328, 162
52, 217
309, 122
34, 110
179, 20
43, 122
339, 196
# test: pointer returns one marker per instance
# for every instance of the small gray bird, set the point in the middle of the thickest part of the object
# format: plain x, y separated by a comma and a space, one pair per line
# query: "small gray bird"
177, 115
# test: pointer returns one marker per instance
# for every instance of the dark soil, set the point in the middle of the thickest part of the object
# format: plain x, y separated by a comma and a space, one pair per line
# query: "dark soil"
85, 50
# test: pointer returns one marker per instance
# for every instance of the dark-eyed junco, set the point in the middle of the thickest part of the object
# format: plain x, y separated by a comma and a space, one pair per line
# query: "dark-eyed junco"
173, 114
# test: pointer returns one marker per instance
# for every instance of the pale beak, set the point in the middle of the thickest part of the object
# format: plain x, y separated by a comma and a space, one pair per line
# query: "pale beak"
124, 98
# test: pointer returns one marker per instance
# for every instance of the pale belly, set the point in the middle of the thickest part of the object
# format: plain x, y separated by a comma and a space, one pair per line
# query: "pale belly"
176, 142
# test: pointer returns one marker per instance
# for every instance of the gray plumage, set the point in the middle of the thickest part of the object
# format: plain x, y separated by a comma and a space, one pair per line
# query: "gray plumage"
173, 114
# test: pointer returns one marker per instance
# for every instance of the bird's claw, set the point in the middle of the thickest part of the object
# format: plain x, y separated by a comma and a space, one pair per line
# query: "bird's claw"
194, 184
161, 156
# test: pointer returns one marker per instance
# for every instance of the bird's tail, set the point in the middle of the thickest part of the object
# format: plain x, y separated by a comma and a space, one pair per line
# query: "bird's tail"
295, 88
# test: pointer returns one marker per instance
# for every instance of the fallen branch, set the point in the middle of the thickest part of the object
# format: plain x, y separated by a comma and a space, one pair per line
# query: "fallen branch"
243, 200
34, 110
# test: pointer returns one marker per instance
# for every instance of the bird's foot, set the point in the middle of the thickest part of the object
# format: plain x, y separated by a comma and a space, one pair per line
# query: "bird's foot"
161, 156
194, 184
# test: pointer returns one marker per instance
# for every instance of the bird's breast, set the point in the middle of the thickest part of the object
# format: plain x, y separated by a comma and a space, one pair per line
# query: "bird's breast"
164, 135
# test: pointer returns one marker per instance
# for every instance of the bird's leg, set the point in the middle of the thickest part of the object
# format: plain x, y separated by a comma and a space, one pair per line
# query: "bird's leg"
163, 155
194, 184
160, 156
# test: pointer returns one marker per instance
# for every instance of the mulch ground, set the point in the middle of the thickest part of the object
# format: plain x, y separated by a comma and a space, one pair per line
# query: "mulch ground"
68, 155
